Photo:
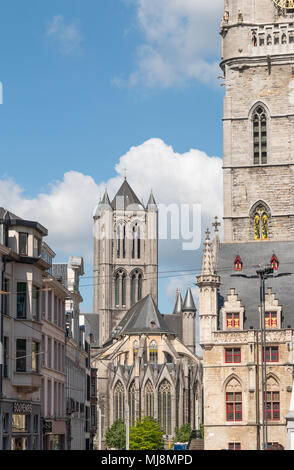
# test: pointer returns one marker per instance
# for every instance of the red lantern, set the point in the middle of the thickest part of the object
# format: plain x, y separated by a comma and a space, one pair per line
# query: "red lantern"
238, 264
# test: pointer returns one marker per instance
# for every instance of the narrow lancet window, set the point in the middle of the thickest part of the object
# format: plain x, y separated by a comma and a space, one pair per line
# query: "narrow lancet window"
260, 136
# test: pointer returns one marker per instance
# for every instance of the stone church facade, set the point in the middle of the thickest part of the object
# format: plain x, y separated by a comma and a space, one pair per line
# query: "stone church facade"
146, 362
258, 171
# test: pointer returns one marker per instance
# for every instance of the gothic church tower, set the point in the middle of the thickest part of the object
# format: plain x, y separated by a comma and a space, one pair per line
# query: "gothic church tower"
258, 66
125, 256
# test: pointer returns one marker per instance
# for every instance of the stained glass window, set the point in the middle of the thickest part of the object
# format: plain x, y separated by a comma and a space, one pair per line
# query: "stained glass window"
260, 136
233, 321
149, 399
164, 406
153, 352
261, 224
271, 320
119, 401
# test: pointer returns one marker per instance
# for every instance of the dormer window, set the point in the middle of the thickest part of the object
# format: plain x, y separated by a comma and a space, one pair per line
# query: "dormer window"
23, 244
274, 262
233, 321
238, 264
271, 320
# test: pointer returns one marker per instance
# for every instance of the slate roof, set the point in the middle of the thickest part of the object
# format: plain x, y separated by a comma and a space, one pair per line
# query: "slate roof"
13, 220
125, 198
143, 317
246, 282
93, 320
174, 323
8, 215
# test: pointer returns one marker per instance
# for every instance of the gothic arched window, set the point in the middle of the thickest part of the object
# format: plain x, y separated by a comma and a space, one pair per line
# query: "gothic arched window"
260, 135
136, 286
119, 401
140, 287
133, 289
234, 401
261, 221
153, 352
272, 400
132, 404
164, 406
149, 399
116, 287
120, 281
134, 236
135, 348
123, 289
136, 241
121, 240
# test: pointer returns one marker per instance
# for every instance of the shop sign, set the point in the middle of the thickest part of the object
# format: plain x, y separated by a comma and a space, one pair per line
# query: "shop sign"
20, 408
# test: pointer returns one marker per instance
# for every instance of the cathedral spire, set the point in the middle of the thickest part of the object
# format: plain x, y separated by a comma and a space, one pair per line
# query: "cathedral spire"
207, 264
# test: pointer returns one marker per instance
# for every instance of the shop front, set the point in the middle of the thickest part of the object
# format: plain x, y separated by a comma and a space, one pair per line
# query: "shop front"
20, 425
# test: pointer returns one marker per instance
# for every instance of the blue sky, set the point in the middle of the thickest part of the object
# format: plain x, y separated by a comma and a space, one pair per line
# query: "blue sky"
86, 81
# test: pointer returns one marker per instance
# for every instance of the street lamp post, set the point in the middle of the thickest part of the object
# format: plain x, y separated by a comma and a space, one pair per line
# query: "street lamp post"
263, 273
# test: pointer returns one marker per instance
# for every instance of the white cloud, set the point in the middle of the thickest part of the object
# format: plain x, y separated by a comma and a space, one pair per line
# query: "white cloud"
181, 41
66, 35
67, 207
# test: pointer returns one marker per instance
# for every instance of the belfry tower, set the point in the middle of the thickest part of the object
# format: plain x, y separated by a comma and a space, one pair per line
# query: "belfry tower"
125, 256
246, 388
258, 67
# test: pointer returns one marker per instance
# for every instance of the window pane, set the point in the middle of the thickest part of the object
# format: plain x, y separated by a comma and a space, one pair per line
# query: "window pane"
21, 299
20, 355
23, 243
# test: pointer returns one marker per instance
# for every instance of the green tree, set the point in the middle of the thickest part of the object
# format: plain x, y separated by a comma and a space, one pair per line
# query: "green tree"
146, 435
115, 436
183, 433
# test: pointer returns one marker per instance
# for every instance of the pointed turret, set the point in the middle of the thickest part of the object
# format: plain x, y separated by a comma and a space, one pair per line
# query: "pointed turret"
207, 264
178, 304
208, 283
189, 305
105, 200
188, 321
152, 206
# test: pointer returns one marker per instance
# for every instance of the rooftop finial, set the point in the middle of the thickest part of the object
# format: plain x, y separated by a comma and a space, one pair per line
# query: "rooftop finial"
216, 224
125, 172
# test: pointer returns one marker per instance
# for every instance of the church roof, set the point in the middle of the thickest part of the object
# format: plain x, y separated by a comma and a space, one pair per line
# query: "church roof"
246, 282
125, 198
143, 317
